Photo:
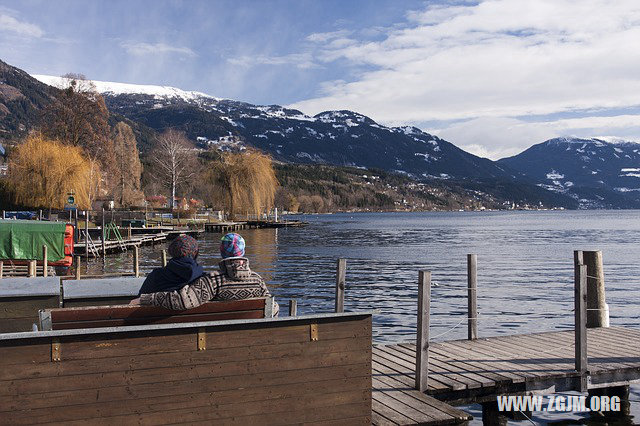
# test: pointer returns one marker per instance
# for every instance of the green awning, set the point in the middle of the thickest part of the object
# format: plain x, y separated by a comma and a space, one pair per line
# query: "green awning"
23, 239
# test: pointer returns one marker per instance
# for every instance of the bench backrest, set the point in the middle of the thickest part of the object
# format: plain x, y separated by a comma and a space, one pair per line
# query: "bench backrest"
116, 316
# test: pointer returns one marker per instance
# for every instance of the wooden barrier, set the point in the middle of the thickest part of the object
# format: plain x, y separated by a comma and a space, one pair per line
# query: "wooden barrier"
263, 371
100, 291
21, 298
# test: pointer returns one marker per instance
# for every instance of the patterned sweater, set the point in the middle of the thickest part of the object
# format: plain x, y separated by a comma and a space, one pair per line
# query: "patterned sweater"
234, 281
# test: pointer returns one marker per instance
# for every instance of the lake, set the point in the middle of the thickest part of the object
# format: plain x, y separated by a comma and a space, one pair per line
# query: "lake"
525, 268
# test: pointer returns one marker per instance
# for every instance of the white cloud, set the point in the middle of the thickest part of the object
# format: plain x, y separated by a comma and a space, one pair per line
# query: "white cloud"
300, 60
498, 137
10, 24
500, 59
324, 37
143, 49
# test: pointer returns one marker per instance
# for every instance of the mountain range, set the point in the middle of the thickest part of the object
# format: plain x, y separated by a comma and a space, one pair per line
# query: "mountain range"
567, 172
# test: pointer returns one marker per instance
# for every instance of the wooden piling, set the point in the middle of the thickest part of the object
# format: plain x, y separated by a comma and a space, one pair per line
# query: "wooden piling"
340, 284
293, 307
164, 258
44, 261
422, 331
597, 308
78, 260
104, 249
136, 262
31, 271
580, 302
1, 269
86, 235
472, 296
129, 233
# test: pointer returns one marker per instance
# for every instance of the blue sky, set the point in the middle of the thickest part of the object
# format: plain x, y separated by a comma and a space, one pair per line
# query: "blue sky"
492, 77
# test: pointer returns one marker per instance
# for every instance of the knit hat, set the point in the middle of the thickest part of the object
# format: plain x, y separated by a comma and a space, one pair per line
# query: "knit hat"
183, 246
232, 245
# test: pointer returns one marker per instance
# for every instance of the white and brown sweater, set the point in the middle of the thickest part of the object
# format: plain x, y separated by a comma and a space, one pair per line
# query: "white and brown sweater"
234, 281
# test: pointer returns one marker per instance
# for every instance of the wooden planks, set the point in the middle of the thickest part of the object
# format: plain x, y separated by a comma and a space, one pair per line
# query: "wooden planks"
465, 369
261, 372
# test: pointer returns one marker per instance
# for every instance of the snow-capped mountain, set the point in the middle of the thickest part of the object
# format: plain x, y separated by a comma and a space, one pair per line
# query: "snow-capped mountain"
598, 171
342, 138
114, 89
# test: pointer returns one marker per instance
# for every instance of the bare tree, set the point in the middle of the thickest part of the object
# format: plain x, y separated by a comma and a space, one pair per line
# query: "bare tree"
174, 159
127, 168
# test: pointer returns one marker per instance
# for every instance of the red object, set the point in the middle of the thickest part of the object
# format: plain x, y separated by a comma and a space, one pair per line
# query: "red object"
68, 248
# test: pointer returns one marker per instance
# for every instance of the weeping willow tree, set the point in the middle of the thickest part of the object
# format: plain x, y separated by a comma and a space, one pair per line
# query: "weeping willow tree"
42, 172
244, 182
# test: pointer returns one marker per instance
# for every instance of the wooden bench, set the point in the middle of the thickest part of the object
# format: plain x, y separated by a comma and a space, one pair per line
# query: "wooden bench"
22, 298
291, 370
117, 316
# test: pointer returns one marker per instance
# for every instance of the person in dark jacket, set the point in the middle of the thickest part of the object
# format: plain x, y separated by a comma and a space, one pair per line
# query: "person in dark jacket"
182, 269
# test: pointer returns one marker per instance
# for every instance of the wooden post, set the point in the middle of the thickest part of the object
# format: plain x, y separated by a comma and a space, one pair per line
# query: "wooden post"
40, 214
164, 258
293, 307
580, 301
472, 296
104, 247
136, 262
422, 331
129, 233
32, 268
78, 260
76, 231
86, 235
1, 269
597, 308
4, 216
44, 261
340, 284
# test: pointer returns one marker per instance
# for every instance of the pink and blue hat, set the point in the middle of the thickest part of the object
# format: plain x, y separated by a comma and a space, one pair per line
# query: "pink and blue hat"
232, 245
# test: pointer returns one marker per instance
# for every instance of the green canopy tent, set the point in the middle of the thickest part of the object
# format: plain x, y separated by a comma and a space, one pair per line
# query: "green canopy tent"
23, 240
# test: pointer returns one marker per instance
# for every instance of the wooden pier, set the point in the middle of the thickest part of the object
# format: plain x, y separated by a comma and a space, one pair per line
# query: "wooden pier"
251, 224
137, 240
118, 246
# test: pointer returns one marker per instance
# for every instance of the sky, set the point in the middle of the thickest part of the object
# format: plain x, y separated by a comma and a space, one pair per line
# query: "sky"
494, 77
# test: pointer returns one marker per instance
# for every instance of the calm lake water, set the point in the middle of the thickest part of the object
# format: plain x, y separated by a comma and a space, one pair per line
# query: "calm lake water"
525, 269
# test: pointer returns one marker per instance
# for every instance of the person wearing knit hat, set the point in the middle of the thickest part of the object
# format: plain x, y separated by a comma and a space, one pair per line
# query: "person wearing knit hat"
181, 269
234, 281
232, 245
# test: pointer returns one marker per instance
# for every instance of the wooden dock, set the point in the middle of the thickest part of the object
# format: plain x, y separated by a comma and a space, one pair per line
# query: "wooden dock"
251, 224
466, 370
118, 246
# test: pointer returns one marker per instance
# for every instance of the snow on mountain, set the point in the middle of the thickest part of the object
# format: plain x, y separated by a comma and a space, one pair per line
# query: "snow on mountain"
114, 89
589, 169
